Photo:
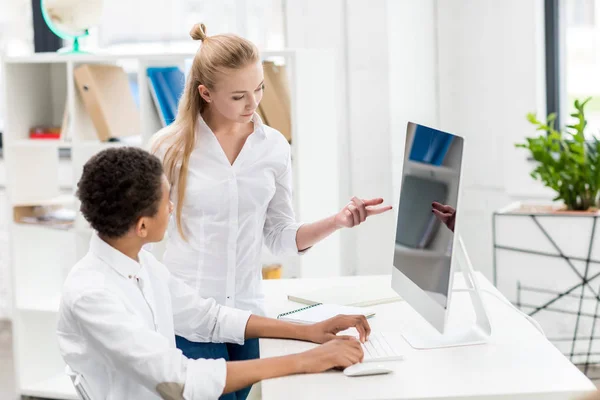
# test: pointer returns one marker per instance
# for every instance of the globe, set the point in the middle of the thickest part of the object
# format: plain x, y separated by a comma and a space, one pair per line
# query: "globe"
71, 19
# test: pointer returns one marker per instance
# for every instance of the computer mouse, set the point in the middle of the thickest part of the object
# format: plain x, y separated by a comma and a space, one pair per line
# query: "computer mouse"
363, 369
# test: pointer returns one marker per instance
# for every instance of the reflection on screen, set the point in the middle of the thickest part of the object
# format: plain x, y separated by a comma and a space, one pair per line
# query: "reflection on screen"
427, 208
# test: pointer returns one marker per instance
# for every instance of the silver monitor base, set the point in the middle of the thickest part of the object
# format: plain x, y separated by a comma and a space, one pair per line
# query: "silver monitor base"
425, 336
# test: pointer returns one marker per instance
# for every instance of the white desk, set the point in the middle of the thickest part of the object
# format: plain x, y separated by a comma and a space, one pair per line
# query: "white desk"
517, 363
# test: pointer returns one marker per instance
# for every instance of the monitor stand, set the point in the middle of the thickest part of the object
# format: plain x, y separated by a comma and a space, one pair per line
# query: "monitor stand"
425, 336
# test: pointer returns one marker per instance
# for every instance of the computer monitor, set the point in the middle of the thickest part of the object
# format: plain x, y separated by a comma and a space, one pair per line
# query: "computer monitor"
428, 217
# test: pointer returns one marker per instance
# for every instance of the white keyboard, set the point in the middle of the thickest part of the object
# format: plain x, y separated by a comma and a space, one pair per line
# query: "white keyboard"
382, 347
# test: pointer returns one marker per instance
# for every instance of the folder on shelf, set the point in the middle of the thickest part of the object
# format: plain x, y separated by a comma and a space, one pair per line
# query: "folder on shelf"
275, 105
166, 85
135, 90
65, 125
442, 149
430, 145
106, 94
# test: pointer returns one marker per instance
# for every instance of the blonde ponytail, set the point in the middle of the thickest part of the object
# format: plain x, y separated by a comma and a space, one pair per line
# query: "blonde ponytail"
177, 141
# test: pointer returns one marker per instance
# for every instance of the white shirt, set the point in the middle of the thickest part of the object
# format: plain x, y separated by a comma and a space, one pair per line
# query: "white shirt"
117, 325
228, 213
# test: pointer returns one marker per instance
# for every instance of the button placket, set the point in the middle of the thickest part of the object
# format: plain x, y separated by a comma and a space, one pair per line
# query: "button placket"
232, 239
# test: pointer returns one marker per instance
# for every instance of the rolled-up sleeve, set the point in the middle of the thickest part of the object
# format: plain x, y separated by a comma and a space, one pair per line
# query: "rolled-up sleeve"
281, 228
143, 355
199, 384
203, 320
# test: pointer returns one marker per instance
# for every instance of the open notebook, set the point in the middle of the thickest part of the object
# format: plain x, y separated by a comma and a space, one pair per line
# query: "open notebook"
320, 312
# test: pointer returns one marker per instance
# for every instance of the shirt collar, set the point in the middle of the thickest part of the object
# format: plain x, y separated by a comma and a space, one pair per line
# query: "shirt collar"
259, 129
118, 261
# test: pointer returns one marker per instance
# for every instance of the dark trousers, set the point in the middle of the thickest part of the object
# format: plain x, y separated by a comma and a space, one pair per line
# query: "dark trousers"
229, 351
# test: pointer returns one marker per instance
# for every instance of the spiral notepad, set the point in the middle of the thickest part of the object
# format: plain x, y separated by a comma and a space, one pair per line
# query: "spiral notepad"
320, 312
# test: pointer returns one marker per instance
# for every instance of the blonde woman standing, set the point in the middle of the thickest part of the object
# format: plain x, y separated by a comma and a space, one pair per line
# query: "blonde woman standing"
232, 187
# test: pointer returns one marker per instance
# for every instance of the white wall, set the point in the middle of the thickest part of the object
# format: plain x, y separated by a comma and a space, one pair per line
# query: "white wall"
369, 119
168, 21
301, 19
474, 68
491, 74
357, 34
413, 73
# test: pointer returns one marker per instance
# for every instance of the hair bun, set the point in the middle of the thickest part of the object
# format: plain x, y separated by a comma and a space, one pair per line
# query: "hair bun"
198, 32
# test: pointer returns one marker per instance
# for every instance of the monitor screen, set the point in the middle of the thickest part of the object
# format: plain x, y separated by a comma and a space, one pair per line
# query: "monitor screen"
427, 209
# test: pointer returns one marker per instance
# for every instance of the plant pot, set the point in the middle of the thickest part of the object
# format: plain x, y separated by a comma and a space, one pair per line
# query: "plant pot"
543, 257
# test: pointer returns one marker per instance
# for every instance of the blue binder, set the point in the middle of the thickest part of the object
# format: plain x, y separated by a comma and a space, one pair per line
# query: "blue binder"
430, 145
166, 85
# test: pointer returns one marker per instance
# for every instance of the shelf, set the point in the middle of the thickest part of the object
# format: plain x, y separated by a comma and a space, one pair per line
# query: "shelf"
57, 387
39, 305
434, 171
54, 227
63, 200
46, 213
113, 56
37, 143
53, 58
125, 141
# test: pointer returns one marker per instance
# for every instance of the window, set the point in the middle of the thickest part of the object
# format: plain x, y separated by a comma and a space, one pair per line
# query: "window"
580, 13
581, 61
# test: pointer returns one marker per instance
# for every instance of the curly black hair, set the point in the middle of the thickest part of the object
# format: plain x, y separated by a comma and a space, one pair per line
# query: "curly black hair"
119, 186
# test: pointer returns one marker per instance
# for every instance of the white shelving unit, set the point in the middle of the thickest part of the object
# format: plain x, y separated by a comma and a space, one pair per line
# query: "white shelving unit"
37, 89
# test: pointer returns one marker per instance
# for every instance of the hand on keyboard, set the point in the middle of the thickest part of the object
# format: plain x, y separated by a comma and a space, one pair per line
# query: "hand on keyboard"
382, 347
327, 330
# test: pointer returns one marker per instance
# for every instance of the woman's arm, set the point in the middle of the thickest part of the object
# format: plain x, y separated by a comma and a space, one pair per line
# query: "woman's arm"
353, 214
339, 353
146, 357
283, 235
261, 327
203, 320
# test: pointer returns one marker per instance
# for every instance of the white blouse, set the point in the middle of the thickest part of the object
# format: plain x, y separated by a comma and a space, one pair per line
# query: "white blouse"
117, 324
228, 213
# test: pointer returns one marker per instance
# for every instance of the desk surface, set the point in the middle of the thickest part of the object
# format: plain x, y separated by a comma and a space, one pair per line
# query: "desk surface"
517, 363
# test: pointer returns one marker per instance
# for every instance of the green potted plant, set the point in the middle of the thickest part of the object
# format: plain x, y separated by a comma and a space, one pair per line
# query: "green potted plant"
567, 163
